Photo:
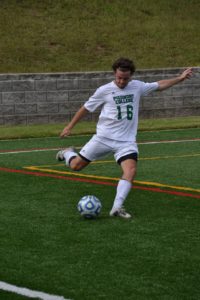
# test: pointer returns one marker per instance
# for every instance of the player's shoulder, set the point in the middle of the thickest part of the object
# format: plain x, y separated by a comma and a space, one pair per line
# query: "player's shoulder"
136, 83
105, 88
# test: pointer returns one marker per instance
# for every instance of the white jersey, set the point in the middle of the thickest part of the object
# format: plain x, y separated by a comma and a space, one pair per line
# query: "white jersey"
118, 119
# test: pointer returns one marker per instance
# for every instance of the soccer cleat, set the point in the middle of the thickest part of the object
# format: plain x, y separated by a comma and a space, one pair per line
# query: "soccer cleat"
60, 154
120, 212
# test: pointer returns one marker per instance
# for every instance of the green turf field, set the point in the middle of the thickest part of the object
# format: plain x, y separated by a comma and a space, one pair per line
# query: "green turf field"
46, 246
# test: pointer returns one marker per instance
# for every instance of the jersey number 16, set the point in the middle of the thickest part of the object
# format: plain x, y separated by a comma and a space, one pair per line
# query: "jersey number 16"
129, 112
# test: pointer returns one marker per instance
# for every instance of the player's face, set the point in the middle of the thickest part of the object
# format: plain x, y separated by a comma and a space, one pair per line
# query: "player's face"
122, 78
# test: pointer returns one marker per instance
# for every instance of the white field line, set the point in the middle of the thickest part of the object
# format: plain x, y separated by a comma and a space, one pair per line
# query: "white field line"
28, 293
51, 137
28, 151
168, 142
53, 149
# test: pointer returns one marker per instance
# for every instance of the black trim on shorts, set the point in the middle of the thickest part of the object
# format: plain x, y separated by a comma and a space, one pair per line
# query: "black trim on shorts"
84, 158
133, 156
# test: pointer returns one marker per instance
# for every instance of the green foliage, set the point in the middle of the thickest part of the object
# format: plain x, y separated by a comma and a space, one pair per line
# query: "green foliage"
80, 35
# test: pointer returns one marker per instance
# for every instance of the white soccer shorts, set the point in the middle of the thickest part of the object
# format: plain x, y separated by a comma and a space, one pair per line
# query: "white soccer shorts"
98, 147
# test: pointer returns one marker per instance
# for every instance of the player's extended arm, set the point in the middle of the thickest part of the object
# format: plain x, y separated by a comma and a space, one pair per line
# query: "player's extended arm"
77, 117
166, 83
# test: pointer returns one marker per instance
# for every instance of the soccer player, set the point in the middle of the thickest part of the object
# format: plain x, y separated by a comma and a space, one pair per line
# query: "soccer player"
117, 126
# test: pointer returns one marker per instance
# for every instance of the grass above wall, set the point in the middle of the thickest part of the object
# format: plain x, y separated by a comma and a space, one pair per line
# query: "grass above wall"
85, 35
50, 130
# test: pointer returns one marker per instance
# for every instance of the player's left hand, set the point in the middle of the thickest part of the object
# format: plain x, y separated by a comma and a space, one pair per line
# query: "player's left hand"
186, 74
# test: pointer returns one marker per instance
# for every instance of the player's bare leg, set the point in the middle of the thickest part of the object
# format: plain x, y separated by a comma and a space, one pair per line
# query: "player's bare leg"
77, 163
72, 159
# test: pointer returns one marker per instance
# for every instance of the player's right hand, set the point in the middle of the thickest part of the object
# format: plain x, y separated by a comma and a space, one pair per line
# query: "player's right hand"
66, 131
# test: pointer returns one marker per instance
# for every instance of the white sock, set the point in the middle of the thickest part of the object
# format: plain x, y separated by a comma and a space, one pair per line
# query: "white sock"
68, 155
123, 188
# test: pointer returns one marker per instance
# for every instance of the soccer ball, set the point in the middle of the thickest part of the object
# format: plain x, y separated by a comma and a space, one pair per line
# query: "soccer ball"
89, 206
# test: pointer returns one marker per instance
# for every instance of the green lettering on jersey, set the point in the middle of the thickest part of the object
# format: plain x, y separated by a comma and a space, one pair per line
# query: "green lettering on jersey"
123, 99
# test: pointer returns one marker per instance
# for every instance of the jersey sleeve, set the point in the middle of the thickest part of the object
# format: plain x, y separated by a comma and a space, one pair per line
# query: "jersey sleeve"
96, 100
147, 88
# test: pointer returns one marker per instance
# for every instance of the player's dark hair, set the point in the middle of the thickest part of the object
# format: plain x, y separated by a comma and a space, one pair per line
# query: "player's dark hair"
124, 64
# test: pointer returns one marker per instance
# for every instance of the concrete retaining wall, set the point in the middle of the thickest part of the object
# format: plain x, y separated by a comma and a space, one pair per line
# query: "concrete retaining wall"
52, 98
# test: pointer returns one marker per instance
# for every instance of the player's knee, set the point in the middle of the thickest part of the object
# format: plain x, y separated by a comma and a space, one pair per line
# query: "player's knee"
77, 168
76, 165
73, 163
130, 174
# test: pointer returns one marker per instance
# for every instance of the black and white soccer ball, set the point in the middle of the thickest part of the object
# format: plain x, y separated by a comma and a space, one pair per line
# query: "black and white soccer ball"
89, 206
